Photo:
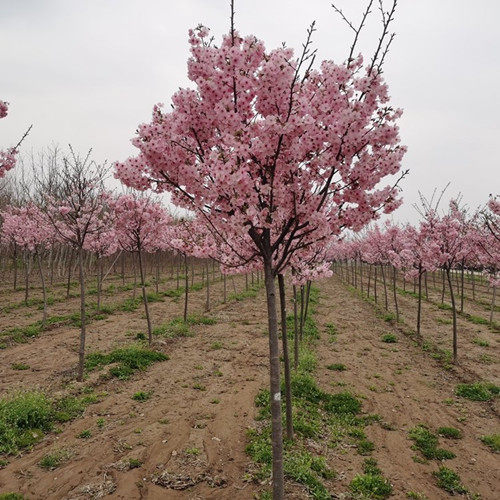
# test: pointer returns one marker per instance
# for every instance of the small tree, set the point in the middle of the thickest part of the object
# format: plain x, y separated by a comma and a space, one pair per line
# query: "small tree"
138, 224
81, 210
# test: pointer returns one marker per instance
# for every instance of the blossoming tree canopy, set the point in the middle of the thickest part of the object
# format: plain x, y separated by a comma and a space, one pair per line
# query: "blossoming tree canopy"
4, 109
7, 157
27, 227
268, 146
265, 145
139, 223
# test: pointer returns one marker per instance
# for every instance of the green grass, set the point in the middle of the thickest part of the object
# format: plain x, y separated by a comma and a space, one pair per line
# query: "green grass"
371, 486
370, 466
427, 443
126, 360
477, 391
85, 434
450, 432
449, 481
317, 416
53, 460
142, 396
445, 307
19, 366
365, 447
134, 463
26, 416
215, 346
389, 338
493, 441
338, 367
252, 292
11, 496
481, 342
444, 321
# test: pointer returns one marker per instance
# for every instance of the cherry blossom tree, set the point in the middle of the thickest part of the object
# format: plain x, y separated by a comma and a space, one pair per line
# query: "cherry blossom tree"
102, 243
80, 210
28, 229
138, 226
275, 155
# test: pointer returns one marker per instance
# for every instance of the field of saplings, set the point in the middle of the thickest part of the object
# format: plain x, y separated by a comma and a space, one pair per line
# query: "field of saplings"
236, 311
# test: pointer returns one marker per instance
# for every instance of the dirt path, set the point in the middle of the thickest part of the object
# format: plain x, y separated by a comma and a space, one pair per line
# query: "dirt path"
56, 350
193, 427
191, 433
406, 387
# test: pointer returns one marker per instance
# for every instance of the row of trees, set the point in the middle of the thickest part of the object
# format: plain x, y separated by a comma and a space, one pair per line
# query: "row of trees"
454, 242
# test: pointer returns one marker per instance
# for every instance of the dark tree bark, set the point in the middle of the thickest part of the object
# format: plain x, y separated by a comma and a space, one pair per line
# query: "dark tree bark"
145, 297
419, 306
286, 358
186, 291
83, 319
295, 330
454, 311
44, 291
275, 390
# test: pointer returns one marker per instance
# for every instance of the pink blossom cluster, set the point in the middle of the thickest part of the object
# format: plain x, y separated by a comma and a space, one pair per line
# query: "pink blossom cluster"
262, 150
27, 227
449, 241
139, 223
4, 108
8, 157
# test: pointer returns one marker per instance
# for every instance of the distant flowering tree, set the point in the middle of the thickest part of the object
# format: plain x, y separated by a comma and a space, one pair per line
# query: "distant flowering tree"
274, 155
102, 243
80, 210
28, 229
139, 223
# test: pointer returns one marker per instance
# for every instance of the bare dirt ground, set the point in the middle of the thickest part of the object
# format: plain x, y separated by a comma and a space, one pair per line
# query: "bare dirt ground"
406, 387
191, 433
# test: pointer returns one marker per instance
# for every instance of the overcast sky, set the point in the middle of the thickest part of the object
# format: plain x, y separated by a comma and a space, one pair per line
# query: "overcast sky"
88, 72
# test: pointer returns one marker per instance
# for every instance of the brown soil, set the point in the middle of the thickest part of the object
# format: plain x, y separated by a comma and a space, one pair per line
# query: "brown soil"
191, 441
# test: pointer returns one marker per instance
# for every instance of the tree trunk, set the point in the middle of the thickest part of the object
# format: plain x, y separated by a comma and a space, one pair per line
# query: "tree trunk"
419, 307
157, 277
443, 289
186, 291
295, 330
306, 310
207, 303
70, 265
395, 295
369, 279
275, 390
81, 351
385, 287
14, 263
301, 325
99, 284
286, 359
454, 311
492, 309
462, 288
145, 297
27, 277
44, 291
375, 285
